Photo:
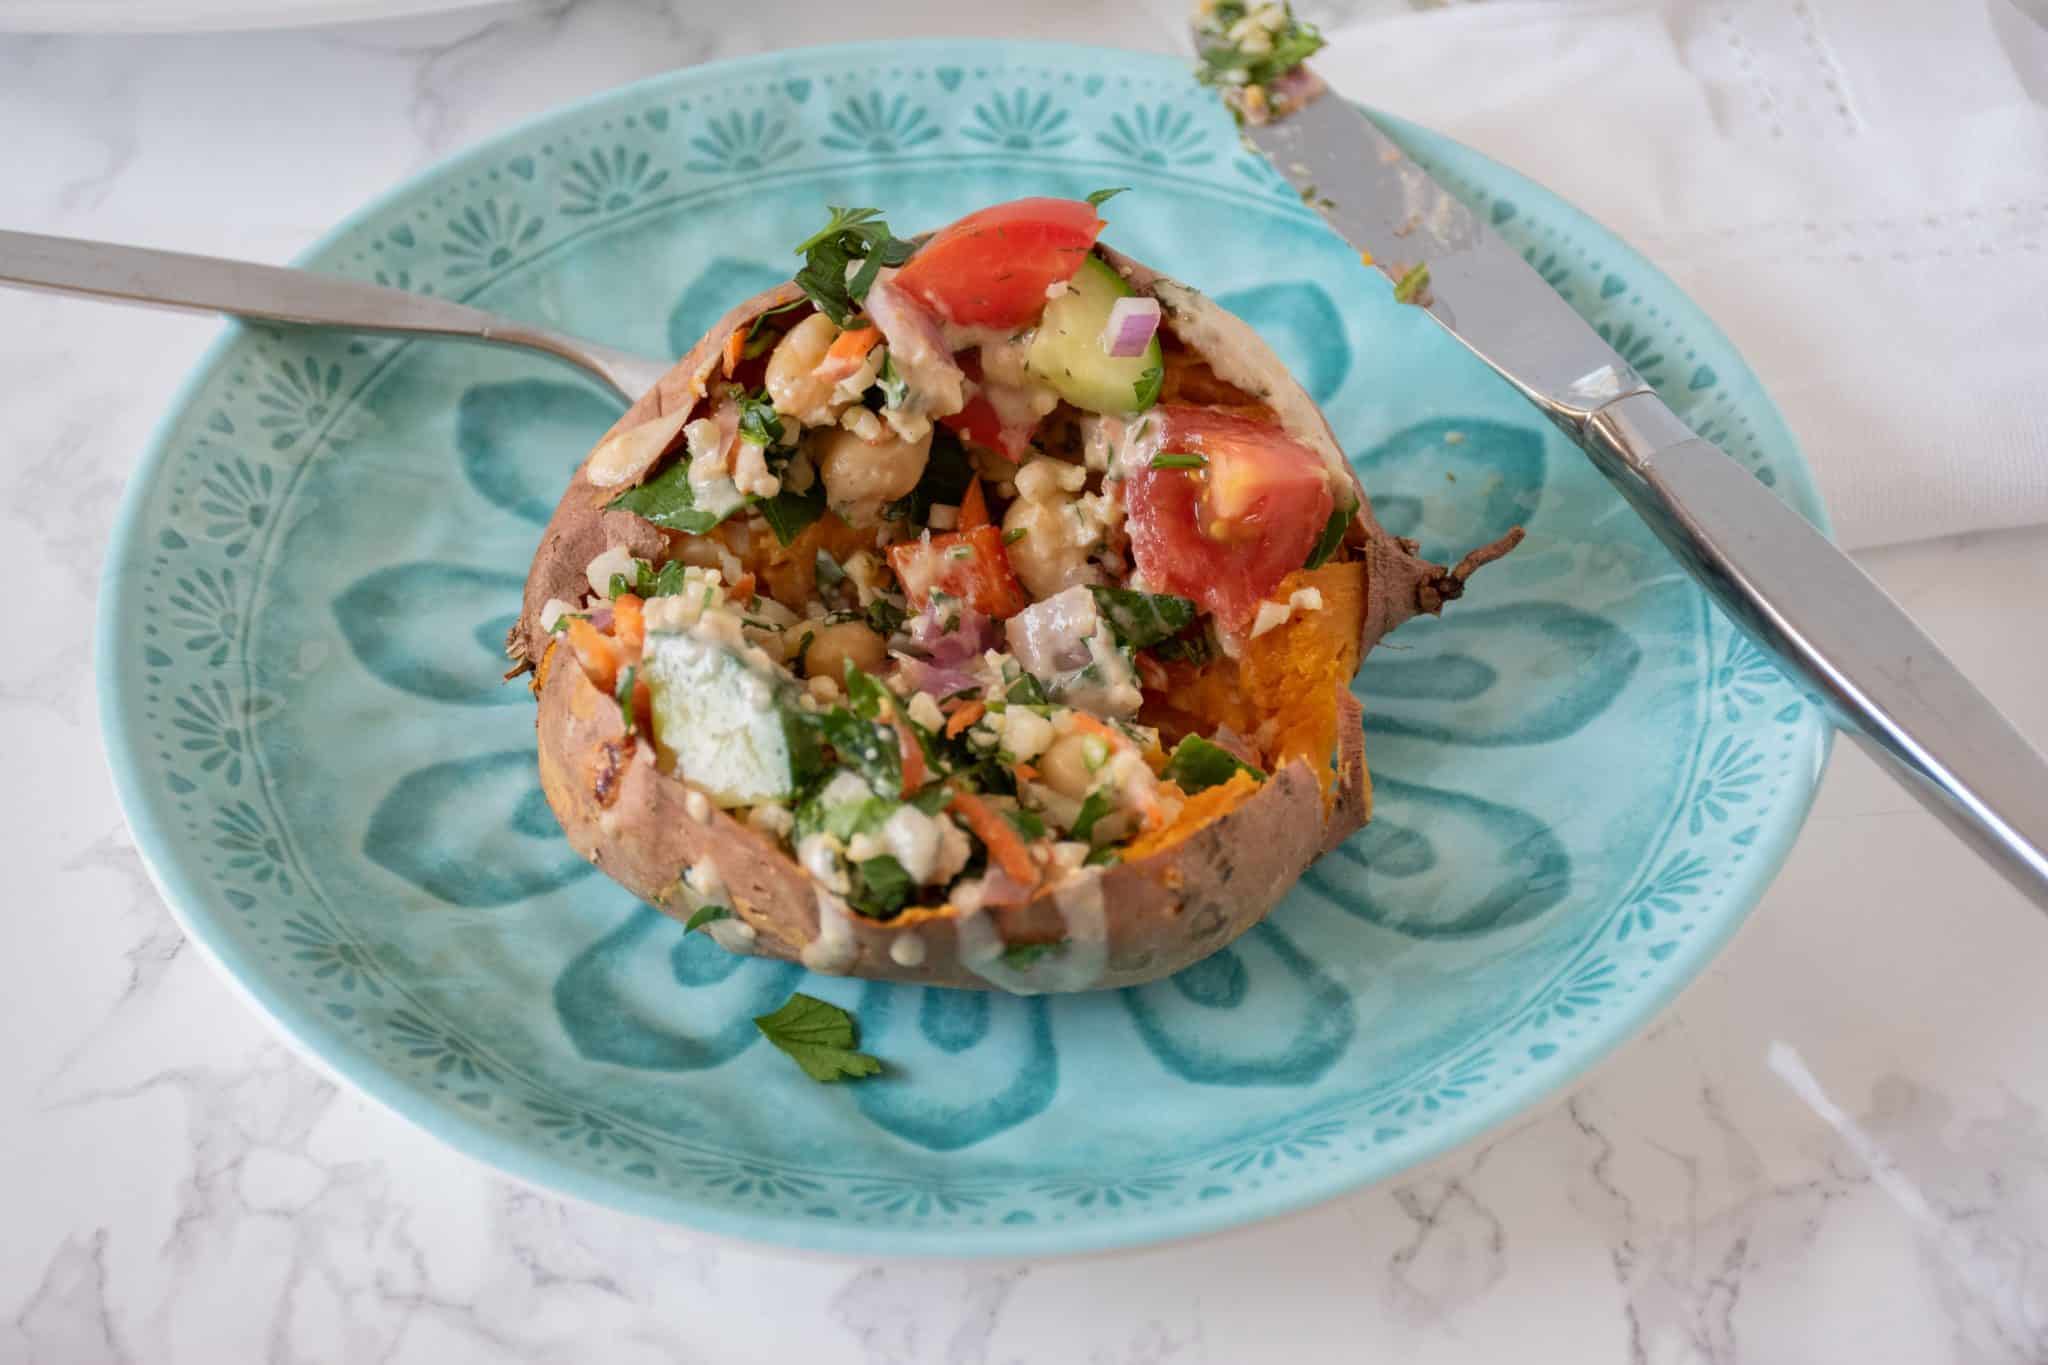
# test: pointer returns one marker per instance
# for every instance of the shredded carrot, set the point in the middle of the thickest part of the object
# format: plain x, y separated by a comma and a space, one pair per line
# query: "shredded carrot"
963, 717
596, 652
973, 507
744, 588
629, 624
1026, 771
1005, 845
643, 706
852, 344
735, 350
914, 773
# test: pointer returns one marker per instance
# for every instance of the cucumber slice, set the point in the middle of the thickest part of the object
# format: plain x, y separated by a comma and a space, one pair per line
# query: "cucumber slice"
734, 732
1067, 351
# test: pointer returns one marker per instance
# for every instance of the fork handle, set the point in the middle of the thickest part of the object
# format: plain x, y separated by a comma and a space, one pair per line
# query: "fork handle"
174, 279
1837, 632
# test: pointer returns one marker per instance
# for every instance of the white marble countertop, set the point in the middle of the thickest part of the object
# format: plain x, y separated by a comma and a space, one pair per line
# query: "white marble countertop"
1834, 1149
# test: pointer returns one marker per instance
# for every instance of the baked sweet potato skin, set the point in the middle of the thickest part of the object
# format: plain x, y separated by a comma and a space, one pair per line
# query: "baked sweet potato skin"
1165, 911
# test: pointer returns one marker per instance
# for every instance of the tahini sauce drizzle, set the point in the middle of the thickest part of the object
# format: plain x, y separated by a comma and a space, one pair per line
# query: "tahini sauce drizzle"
1075, 965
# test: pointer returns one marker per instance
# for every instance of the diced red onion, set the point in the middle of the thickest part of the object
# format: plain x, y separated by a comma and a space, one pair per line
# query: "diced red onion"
939, 681
601, 617
952, 634
1051, 637
1130, 327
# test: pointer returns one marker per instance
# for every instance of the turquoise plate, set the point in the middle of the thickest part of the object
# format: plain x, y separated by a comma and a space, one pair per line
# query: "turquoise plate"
1585, 778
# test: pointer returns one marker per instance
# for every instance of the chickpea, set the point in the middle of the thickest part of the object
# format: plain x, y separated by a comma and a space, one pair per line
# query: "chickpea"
860, 477
832, 646
1051, 554
792, 385
1074, 765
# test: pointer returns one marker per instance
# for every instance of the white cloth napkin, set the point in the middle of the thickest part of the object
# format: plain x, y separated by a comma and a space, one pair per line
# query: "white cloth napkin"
1855, 190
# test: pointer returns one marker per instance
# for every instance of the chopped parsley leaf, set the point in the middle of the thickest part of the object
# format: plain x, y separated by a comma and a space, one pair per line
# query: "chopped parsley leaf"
624, 696
1139, 619
1022, 957
668, 501
789, 514
1333, 534
819, 1036
1412, 284
881, 887
885, 617
1093, 809
1197, 765
1146, 390
852, 235
710, 914
759, 424
1026, 822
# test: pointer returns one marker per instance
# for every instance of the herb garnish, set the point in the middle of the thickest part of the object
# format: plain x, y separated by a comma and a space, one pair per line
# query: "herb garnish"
1197, 765
1412, 284
668, 501
947, 472
885, 618
881, 887
1146, 390
1333, 534
1027, 823
1101, 197
893, 386
1139, 619
624, 696
1093, 809
760, 335
852, 235
759, 424
819, 1037
1026, 691
1021, 957
1227, 62
789, 514
710, 914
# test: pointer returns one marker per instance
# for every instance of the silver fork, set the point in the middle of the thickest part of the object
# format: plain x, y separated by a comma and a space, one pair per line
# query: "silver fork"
210, 284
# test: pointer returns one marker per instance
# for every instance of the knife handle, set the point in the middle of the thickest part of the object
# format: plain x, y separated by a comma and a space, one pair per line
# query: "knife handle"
1834, 630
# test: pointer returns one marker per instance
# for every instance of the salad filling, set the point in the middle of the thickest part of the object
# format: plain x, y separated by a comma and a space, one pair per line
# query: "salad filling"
969, 574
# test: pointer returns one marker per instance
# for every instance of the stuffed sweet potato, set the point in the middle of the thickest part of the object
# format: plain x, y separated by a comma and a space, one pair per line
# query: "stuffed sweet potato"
976, 611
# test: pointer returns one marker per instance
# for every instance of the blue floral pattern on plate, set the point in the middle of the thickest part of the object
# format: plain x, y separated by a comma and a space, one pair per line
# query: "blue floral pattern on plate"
1584, 776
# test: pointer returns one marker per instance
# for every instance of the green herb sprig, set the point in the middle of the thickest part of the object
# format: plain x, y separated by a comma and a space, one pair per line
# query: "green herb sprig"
852, 235
820, 1037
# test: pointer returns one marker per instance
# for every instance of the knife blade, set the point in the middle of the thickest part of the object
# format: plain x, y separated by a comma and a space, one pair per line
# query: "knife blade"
1805, 602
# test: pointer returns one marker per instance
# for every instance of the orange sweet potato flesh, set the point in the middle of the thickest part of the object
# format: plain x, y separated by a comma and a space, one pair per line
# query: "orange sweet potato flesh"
1203, 808
1282, 692
1294, 673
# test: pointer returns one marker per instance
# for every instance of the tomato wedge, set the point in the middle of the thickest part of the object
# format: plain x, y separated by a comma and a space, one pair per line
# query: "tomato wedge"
979, 421
992, 268
965, 564
1225, 534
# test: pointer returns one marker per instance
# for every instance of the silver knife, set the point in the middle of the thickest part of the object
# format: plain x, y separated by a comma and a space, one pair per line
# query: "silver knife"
1826, 622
